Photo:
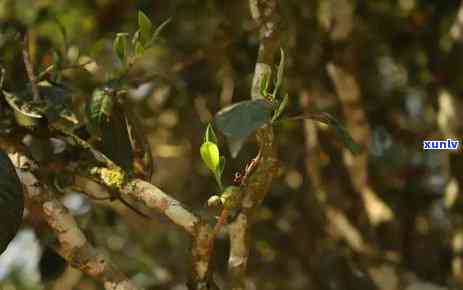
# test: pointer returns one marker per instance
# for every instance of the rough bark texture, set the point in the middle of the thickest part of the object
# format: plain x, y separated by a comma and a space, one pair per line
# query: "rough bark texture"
156, 199
201, 233
265, 14
72, 243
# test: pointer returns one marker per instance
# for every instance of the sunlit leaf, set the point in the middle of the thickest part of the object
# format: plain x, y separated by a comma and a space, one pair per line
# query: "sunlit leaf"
264, 86
11, 201
221, 165
120, 47
219, 173
139, 49
63, 31
210, 136
145, 27
280, 74
281, 108
210, 155
57, 61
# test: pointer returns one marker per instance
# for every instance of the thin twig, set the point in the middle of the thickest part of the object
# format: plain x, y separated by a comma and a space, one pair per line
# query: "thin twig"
221, 221
2, 76
30, 68
50, 68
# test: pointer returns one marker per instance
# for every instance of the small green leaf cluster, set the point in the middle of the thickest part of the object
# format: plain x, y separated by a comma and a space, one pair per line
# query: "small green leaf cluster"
144, 38
108, 116
54, 104
229, 197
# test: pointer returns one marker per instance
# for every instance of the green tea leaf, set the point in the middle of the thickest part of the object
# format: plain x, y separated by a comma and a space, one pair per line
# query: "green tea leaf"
98, 110
120, 47
235, 145
145, 27
210, 155
57, 61
221, 165
219, 173
340, 132
281, 108
58, 102
139, 49
264, 86
115, 140
239, 121
280, 74
19, 105
158, 31
11, 201
210, 136
63, 32
107, 119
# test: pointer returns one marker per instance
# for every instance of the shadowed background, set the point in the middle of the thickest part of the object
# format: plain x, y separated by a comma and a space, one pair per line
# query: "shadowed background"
390, 71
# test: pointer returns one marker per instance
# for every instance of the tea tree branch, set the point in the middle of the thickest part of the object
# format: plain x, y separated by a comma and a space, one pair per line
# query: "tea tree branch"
73, 245
257, 183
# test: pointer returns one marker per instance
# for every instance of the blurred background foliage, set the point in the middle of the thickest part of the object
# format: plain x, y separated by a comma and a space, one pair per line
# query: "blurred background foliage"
407, 57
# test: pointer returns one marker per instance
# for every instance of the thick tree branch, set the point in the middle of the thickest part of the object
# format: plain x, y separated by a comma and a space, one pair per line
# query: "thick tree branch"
239, 251
202, 234
73, 245
154, 198
257, 185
